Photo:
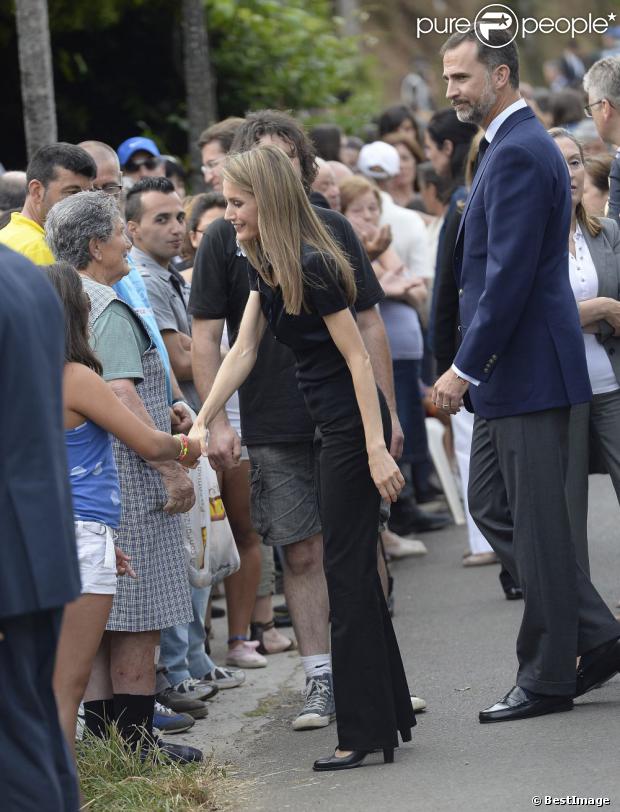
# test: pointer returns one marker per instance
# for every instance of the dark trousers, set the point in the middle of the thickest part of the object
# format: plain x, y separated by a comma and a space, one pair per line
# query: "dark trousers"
36, 772
370, 686
517, 497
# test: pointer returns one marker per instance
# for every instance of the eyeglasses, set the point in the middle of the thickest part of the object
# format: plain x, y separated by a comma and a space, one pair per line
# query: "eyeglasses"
588, 108
113, 189
210, 165
150, 163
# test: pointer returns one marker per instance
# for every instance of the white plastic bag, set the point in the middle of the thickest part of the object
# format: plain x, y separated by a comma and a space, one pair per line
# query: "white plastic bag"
209, 543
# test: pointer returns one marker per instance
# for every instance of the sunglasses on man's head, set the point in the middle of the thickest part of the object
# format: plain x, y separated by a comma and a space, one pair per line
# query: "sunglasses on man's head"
149, 163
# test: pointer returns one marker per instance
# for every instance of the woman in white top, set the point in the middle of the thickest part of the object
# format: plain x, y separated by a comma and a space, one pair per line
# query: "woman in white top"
594, 267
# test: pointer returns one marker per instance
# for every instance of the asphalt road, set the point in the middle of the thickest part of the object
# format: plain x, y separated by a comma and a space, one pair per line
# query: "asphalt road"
457, 635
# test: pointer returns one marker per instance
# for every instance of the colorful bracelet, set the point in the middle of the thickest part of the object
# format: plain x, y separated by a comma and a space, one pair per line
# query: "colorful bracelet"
182, 438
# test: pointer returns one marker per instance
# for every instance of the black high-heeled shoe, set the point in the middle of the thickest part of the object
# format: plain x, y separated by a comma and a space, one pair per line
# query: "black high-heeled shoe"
354, 759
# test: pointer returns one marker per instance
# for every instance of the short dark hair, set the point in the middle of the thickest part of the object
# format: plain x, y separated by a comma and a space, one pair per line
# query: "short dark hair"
429, 177
202, 203
223, 132
48, 159
391, 119
173, 167
445, 126
566, 107
327, 139
133, 201
499, 51
275, 122
13, 191
68, 284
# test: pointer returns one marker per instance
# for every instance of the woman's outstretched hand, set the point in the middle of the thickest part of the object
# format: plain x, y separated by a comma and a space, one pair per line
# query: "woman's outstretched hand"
386, 474
199, 432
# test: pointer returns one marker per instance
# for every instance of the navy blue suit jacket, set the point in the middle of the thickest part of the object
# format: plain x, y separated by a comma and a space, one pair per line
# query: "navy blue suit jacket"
519, 322
38, 559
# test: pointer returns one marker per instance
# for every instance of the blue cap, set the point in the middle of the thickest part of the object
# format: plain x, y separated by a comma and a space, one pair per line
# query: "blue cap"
131, 145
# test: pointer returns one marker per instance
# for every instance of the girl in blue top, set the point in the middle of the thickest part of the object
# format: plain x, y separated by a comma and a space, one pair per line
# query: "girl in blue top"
91, 411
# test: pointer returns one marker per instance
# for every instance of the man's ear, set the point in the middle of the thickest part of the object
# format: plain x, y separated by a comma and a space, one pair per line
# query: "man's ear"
36, 191
501, 76
132, 228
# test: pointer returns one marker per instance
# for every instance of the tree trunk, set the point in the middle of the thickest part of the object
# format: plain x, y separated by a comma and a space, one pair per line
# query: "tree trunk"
37, 78
349, 10
199, 82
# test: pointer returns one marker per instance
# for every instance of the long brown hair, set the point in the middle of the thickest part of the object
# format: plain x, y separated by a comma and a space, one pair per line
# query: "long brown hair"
286, 222
68, 284
585, 220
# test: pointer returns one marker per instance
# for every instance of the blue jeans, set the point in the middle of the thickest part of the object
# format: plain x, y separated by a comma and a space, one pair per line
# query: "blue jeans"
411, 415
183, 647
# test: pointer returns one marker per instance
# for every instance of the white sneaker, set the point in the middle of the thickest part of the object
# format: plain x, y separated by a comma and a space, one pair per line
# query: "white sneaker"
319, 708
246, 656
418, 704
399, 547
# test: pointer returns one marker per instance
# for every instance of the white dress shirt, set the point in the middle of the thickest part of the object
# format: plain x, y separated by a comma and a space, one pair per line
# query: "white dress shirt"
490, 134
584, 282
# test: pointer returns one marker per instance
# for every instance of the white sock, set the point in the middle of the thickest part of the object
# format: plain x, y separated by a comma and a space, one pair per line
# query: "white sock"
317, 664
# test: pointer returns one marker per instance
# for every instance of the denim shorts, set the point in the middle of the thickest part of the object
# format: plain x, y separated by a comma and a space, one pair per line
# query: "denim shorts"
284, 503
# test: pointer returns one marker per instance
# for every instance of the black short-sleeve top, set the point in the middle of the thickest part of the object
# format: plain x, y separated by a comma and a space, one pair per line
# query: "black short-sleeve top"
272, 408
322, 372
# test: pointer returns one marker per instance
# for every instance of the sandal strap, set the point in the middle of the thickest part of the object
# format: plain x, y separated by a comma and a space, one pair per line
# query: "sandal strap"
263, 627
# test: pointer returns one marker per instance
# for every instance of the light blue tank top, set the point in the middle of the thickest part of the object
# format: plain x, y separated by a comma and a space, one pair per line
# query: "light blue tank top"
93, 475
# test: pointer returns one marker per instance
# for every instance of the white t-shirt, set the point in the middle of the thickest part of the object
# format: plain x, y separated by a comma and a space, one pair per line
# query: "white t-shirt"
584, 282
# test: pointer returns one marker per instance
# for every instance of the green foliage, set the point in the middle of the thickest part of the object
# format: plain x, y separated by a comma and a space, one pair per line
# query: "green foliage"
352, 115
288, 54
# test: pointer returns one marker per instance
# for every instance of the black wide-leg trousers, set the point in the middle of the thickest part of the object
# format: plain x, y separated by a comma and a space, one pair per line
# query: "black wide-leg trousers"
370, 687
518, 499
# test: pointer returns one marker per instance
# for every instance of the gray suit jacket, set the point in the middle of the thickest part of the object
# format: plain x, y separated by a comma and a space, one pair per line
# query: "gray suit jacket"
605, 253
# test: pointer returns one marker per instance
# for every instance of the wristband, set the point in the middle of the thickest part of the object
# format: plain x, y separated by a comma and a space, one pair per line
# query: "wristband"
182, 438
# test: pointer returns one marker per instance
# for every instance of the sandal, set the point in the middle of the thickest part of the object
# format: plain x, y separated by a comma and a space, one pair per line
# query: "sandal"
257, 632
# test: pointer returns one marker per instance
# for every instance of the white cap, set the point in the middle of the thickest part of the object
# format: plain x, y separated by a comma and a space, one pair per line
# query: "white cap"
379, 160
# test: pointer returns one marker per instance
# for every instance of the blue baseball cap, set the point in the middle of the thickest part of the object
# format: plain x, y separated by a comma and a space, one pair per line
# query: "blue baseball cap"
131, 145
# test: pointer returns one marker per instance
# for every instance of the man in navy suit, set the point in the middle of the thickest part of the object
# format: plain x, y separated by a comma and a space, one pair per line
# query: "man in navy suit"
38, 561
521, 366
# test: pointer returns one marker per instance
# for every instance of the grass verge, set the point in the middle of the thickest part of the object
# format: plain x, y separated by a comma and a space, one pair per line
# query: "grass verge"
112, 779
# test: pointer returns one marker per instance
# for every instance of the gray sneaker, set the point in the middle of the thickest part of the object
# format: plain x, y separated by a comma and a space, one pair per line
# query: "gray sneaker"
319, 708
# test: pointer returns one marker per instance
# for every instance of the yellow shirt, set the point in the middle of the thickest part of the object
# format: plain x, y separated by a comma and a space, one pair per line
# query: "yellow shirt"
28, 238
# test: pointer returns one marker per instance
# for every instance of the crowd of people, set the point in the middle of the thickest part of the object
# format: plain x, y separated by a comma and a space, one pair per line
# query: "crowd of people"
327, 279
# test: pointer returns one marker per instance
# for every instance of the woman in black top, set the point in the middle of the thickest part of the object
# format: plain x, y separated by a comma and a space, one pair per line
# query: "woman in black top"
303, 287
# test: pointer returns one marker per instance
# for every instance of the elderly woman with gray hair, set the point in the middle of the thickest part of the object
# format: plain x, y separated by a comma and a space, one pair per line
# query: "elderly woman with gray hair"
87, 231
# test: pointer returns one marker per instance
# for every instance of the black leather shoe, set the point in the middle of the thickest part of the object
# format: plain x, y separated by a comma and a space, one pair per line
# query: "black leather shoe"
513, 593
179, 753
597, 667
520, 704
418, 521
354, 759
